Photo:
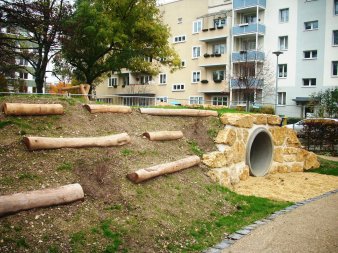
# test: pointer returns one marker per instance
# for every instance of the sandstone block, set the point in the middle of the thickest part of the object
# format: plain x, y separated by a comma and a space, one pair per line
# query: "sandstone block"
220, 176
278, 135
237, 119
260, 119
217, 159
273, 120
242, 134
226, 136
291, 138
245, 173
238, 152
278, 154
311, 161
282, 168
296, 167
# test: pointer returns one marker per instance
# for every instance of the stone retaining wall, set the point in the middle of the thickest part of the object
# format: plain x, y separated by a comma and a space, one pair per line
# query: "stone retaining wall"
228, 163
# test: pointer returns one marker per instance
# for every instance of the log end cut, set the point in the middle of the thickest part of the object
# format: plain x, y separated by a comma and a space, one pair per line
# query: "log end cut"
27, 142
133, 177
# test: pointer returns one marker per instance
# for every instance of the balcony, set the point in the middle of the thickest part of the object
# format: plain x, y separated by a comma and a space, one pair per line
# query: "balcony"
242, 4
243, 29
214, 34
247, 56
252, 83
213, 60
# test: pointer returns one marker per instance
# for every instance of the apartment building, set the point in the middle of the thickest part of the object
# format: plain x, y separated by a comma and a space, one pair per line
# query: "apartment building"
216, 38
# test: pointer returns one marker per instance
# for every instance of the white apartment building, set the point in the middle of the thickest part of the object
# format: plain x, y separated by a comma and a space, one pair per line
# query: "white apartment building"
215, 37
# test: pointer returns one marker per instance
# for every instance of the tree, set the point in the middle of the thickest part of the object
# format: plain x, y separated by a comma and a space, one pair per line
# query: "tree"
35, 27
327, 102
252, 79
104, 36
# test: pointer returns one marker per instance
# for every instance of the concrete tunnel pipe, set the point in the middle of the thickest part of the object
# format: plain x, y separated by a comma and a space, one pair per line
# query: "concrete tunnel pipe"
259, 152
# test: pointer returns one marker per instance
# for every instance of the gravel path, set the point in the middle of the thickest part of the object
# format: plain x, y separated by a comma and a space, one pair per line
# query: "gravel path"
309, 228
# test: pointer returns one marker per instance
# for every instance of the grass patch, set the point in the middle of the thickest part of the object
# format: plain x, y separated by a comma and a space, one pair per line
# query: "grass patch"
77, 240
22, 243
27, 176
326, 167
17, 121
247, 209
65, 167
195, 148
126, 152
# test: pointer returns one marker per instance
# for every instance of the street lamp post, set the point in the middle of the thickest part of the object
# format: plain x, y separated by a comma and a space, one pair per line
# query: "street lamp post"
277, 53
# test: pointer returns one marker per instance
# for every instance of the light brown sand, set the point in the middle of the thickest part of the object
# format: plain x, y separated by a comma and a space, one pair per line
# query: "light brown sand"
295, 186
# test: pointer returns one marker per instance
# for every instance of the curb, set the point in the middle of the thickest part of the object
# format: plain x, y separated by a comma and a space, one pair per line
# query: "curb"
231, 239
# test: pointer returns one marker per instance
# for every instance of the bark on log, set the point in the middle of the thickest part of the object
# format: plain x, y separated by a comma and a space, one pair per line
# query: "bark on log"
178, 112
37, 143
163, 135
40, 198
147, 173
107, 108
19, 109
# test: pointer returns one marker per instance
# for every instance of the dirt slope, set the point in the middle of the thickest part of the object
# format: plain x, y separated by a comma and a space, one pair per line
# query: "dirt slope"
112, 205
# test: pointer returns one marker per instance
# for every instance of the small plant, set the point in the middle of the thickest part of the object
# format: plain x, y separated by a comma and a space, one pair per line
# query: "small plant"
126, 152
195, 148
65, 167
27, 175
21, 243
212, 133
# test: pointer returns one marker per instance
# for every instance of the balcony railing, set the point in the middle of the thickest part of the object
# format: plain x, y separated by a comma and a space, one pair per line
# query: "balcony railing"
243, 29
247, 56
252, 83
241, 4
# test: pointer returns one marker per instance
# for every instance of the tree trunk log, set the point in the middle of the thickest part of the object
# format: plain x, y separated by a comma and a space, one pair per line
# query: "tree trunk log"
37, 143
32, 109
82, 88
40, 198
107, 108
179, 112
163, 135
147, 173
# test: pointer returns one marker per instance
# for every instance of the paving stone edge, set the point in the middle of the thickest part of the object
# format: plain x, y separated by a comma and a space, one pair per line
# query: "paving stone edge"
232, 238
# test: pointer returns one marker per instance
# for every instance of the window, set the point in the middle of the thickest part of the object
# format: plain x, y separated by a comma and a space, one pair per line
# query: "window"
146, 79
249, 18
335, 38
283, 43
148, 59
23, 75
196, 76
125, 80
196, 52
281, 98
23, 62
218, 75
219, 49
162, 99
197, 26
310, 54
179, 20
307, 82
178, 87
220, 100
195, 100
335, 68
284, 15
183, 65
112, 81
311, 25
179, 39
220, 22
282, 70
335, 7
163, 78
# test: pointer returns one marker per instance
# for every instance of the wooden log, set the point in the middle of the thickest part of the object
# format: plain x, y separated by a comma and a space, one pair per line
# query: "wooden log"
92, 108
147, 173
82, 88
178, 112
20, 109
163, 135
40, 198
38, 143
